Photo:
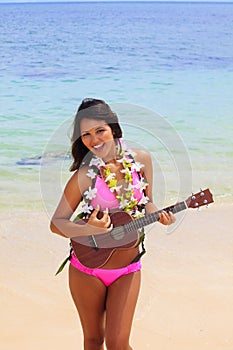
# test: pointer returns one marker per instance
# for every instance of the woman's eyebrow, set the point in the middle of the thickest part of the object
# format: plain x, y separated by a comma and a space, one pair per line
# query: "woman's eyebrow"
84, 132
97, 128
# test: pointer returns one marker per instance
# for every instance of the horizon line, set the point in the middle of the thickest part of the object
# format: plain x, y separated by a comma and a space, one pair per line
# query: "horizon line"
115, 1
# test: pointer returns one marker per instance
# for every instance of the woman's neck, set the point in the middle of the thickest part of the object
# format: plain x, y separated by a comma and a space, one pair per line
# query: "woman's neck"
111, 157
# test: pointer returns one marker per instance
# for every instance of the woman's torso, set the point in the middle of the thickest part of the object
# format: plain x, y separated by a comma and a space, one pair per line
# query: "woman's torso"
105, 198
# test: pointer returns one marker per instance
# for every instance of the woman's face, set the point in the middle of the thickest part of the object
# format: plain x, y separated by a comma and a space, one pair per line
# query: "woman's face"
97, 136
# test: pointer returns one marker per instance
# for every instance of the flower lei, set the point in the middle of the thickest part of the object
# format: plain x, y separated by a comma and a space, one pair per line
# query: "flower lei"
127, 201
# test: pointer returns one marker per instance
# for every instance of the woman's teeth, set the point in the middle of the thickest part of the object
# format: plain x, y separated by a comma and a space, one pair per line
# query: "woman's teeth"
98, 146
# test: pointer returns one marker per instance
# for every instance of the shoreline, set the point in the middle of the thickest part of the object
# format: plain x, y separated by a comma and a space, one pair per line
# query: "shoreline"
30, 197
185, 295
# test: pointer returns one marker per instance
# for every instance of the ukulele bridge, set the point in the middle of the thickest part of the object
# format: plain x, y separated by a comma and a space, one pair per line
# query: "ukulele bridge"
93, 243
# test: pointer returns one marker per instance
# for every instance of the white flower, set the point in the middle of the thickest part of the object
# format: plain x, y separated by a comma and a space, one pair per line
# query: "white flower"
91, 173
126, 170
97, 162
116, 188
86, 209
137, 214
110, 177
90, 193
125, 159
121, 160
143, 200
130, 153
137, 166
129, 160
123, 203
141, 185
133, 153
130, 187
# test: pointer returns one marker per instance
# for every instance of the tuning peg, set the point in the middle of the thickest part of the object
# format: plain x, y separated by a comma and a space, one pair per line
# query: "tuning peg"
201, 192
205, 201
193, 197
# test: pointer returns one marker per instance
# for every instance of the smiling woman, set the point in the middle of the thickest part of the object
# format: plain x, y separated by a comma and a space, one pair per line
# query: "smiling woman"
93, 119
108, 176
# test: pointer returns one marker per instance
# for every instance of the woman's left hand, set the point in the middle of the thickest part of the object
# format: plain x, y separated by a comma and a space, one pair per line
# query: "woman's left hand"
166, 218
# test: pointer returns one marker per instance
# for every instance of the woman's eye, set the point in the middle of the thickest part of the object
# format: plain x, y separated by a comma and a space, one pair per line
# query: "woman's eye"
100, 131
85, 135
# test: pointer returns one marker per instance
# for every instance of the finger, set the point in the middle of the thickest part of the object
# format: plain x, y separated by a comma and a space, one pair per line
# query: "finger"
108, 221
110, 228
166, 216
106, 218
105, 213
160, 216
95, 212
172, 217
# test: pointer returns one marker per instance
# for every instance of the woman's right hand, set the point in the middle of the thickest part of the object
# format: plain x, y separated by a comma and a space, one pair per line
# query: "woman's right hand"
97, 225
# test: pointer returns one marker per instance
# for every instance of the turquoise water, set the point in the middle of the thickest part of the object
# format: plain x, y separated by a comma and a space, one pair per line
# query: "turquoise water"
166, 68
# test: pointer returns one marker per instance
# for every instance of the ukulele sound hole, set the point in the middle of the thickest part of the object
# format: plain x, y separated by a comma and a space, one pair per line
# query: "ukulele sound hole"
117, 233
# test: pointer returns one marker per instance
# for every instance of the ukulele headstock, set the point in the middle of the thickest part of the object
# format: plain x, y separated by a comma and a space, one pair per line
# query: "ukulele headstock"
196, 200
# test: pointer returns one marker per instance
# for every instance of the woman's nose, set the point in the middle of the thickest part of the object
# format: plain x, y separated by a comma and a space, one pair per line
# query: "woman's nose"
94, 140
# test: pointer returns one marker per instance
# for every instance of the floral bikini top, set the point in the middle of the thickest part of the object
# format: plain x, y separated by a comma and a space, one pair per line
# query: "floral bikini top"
107, 199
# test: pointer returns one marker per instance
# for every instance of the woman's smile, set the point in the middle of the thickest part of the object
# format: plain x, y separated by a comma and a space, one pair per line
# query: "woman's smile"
98, 138
98, 147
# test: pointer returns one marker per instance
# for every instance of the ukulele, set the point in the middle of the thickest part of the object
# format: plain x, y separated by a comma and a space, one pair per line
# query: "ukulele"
95, 250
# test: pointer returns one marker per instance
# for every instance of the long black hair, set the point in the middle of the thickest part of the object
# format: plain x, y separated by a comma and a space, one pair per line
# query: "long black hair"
93, 109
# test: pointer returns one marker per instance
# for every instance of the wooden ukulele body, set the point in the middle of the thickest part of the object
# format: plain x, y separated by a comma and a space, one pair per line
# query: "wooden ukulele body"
110, 252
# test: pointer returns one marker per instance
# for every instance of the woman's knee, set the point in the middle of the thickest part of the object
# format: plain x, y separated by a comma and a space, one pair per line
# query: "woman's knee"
95, 343
117, 342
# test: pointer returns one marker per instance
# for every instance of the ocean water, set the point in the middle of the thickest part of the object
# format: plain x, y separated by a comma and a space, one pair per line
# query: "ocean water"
165, 68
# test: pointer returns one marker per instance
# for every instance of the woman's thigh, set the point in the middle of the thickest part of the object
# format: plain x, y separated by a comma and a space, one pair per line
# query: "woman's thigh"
120, 307
89, 295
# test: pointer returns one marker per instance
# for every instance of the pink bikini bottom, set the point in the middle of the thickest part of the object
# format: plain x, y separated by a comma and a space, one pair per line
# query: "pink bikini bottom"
106, 276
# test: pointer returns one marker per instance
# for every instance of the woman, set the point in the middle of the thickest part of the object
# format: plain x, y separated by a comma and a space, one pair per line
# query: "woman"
107, 176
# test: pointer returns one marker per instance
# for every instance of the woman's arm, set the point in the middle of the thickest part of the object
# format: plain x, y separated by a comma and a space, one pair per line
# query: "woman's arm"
72, 196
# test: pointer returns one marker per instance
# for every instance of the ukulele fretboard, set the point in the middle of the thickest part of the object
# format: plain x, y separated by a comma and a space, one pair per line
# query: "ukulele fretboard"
150, 218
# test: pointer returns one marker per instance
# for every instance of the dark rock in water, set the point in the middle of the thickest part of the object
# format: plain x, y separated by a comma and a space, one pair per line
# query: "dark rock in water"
30, 161
46, 158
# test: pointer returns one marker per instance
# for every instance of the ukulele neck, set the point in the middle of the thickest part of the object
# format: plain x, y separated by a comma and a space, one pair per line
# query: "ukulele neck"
153, 217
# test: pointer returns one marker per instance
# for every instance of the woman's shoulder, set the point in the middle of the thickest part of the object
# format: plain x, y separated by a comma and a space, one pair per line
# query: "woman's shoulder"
81, 172
80, 178
142, 156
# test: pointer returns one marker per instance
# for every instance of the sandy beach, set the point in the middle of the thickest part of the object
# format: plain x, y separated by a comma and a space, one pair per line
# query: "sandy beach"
162, 69
186, 296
